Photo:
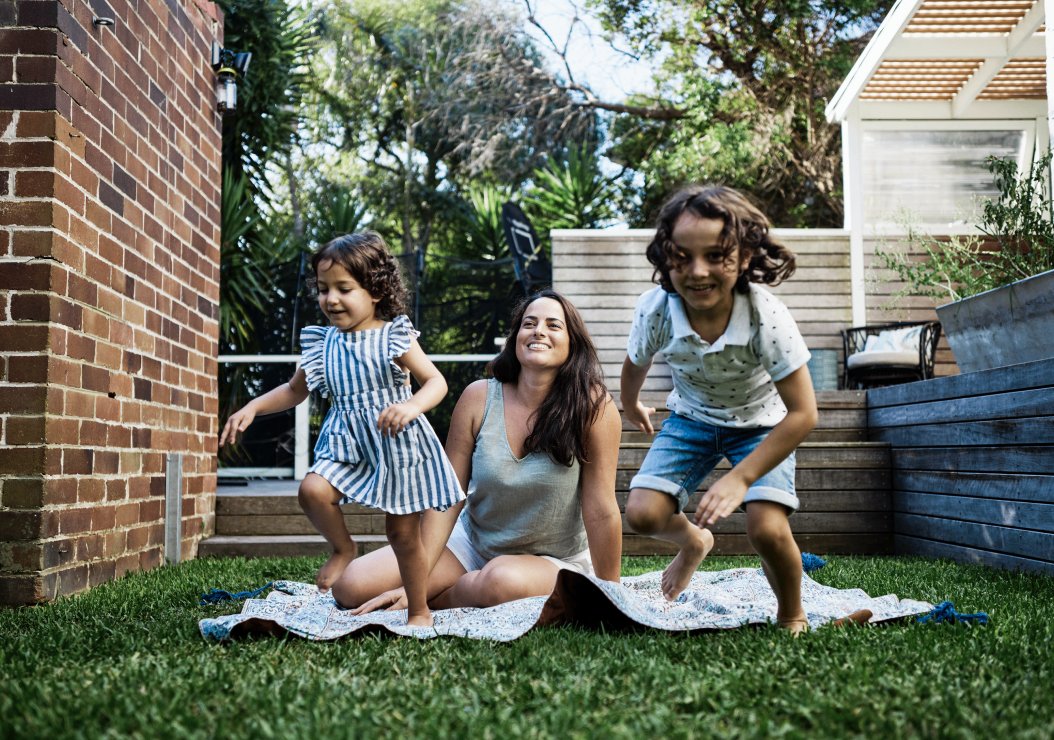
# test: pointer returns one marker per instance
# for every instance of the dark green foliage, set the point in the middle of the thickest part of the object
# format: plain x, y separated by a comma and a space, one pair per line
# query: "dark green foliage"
126, 660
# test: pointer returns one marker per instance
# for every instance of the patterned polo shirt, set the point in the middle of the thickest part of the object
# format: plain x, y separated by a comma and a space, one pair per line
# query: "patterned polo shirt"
728, 383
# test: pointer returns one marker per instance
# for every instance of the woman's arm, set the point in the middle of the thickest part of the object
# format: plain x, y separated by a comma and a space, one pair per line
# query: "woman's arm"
465, 422
727, 493
432, 390
600, 512
283, 397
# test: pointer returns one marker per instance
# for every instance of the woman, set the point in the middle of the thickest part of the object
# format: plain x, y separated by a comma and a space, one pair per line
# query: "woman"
536, 448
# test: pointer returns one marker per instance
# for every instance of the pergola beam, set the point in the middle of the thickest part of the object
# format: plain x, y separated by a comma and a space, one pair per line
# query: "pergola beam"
1016, 39
961, 47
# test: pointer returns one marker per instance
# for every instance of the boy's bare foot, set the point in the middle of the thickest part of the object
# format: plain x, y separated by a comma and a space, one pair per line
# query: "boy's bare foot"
678, 573
332, 569
420, 620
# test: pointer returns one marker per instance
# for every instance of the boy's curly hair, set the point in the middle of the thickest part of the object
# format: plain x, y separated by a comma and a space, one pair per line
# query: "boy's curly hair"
746, 227
365, 255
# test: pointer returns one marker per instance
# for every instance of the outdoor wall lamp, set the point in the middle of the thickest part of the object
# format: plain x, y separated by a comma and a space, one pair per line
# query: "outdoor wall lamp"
229, 66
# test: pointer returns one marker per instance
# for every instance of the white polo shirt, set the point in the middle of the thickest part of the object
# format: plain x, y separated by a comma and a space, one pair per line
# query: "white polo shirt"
728, 383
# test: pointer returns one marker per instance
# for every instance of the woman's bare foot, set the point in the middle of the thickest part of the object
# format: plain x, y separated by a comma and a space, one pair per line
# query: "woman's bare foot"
420, 620
678, 573
332, 569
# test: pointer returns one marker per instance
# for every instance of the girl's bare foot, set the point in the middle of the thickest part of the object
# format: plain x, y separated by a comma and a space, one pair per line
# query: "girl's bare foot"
797, 626
420, 620
678, 573
332, 569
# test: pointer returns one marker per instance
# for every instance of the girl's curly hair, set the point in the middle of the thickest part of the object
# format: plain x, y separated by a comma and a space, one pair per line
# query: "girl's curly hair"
365, 255
746, 228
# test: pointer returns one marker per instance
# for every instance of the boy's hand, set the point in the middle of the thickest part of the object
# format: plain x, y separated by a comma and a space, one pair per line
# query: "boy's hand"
236, 423
396, 417
639, 416
720, 500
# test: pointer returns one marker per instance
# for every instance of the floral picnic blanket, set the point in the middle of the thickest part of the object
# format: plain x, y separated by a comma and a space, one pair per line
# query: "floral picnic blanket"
714, 600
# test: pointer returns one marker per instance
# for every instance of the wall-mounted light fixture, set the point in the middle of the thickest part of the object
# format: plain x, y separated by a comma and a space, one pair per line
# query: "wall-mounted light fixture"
229, 66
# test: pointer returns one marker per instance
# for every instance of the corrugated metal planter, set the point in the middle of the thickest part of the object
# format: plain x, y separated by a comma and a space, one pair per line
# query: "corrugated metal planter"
1004, 326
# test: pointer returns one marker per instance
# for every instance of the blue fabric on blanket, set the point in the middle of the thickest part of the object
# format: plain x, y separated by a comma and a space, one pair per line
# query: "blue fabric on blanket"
714, 600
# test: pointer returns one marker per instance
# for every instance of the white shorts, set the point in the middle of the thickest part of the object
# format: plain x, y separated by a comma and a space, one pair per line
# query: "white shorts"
471, 559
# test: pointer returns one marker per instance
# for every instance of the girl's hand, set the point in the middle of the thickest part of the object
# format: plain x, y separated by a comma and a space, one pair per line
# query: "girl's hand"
236, 423
390, 600
720, 500
396, 417
639, 416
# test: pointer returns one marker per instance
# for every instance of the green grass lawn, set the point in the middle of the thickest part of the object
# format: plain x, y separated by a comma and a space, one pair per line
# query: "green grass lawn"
127, 659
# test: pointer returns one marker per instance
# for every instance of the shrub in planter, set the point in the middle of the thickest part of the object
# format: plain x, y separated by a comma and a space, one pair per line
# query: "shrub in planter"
1002, 284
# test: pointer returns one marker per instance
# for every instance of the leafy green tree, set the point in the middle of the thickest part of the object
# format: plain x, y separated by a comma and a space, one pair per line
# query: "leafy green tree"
742, 86
431, 96
572, 193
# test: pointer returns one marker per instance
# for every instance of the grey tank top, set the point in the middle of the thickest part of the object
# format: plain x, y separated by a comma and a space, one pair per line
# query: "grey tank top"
520, 506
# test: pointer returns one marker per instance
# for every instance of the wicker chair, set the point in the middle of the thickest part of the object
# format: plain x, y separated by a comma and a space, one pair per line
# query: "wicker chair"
864, 367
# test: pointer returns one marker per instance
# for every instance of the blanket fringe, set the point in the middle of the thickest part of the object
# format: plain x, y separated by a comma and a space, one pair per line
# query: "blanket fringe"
945, 612
216, 595
810, 562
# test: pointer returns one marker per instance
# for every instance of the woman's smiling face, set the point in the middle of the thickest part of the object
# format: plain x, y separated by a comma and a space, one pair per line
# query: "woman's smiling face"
542, 339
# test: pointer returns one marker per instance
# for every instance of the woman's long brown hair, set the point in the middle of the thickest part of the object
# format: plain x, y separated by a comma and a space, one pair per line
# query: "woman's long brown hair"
578, 393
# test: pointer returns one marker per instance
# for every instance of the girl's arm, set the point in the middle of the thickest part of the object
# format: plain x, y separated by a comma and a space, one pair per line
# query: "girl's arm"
433, 388
281, 398
600, 512
636, 413
728, 493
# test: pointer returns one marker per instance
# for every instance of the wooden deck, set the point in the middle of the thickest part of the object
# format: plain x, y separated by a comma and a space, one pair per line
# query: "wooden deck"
843, 483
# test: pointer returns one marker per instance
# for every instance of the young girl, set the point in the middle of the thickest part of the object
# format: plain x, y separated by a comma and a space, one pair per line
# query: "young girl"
741, 389
375, 446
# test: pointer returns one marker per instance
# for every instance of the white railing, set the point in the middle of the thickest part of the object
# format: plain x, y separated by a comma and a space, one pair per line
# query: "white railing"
301, 425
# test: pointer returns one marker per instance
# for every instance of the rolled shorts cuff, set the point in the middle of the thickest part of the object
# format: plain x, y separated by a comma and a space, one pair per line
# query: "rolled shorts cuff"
655, 483
775, 495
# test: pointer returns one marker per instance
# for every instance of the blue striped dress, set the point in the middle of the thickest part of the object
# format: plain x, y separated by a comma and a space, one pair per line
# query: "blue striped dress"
357, 372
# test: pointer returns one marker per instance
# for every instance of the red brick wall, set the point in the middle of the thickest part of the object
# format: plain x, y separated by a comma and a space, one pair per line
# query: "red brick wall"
109, 286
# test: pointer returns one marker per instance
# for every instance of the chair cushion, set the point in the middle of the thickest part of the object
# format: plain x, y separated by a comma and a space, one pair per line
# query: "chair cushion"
869, 359
895, 340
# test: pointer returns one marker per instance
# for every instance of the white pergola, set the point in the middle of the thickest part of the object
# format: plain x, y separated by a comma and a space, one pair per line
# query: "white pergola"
942, 65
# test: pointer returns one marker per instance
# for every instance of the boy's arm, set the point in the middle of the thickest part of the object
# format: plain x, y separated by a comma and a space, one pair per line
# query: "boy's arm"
728, 493
636, 413
285, 396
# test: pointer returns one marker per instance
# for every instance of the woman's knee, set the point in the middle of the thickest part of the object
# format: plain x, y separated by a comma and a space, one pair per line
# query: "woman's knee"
499, 584
349, 590
648, 512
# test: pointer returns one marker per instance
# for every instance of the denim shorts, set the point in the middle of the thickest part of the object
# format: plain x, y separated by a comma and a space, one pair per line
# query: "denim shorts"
685, 451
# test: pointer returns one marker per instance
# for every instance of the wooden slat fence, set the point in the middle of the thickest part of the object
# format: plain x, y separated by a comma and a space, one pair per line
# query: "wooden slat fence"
973, 465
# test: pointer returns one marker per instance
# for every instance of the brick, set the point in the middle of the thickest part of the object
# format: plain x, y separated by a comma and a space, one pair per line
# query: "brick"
95, 379
34, 184
73, 521
26, 399
60, 491
105, 462
77, 461
27, 369
72, 580
24, 338
24, 276
28, 41
25, 430
23, 493
100, 572
90, 490
28, 213
19, 525
21, 590
33, 243
103, 517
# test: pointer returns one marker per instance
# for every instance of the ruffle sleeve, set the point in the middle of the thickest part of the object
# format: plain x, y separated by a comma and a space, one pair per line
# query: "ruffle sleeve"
400, 335
312, 357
